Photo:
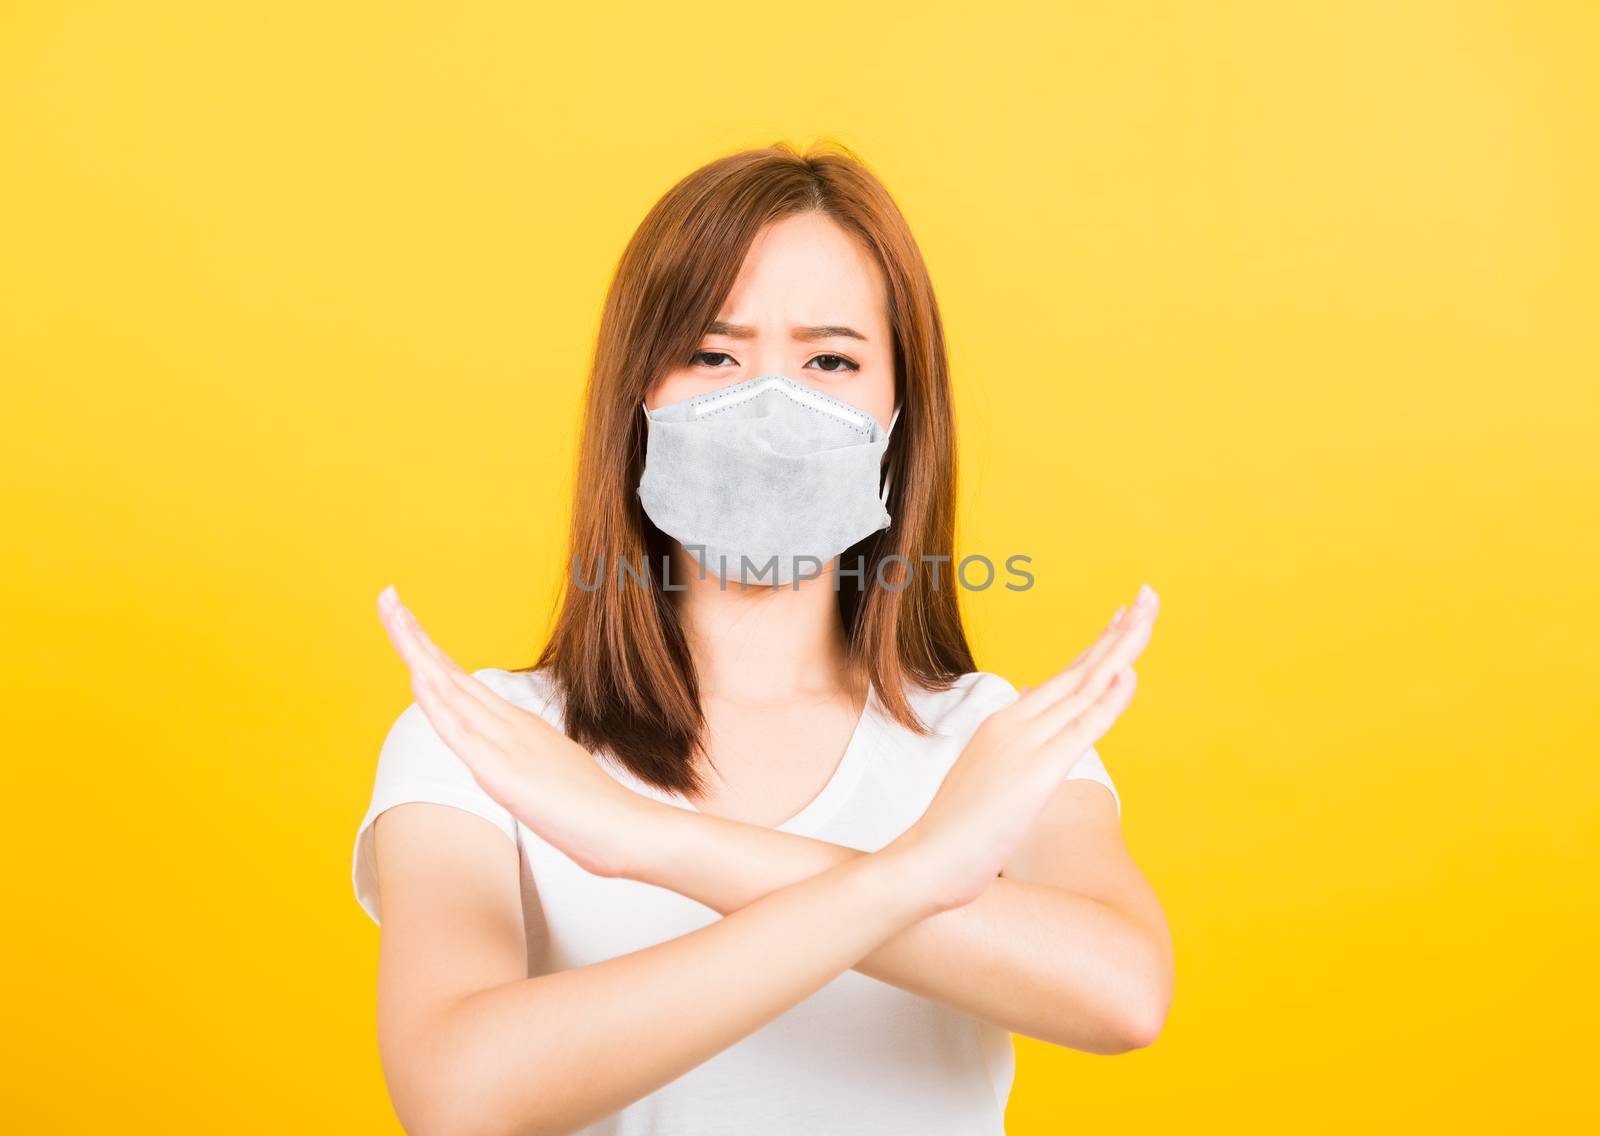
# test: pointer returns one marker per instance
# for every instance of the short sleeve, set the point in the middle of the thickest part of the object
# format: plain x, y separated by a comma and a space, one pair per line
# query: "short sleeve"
415, 764
1089, 767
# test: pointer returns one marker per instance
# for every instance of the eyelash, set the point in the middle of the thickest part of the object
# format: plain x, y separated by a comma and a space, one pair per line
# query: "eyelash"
850, 365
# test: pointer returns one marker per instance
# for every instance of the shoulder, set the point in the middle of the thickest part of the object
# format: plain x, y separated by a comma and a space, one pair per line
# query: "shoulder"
416, 765
954, 714
413, 741
413, 751
532, 690
968, 700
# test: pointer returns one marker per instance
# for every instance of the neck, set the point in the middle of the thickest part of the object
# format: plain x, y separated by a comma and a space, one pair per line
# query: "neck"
760, 642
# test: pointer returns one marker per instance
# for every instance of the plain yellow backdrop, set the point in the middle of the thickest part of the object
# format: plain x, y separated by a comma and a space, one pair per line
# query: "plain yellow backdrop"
1289, 309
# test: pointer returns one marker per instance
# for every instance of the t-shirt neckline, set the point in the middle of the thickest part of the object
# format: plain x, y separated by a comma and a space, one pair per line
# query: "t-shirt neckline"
858, 752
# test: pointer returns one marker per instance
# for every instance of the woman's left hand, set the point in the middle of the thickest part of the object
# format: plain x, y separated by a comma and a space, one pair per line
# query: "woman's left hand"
544, 778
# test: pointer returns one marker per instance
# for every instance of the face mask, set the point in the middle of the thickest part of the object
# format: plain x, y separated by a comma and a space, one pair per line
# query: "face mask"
767, 471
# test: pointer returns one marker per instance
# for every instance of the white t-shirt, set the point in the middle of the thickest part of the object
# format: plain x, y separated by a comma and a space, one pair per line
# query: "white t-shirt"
857, 1057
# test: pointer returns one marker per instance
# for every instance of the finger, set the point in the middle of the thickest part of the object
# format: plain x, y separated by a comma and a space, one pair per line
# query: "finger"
452, 706
1121, 655
1071, 677
468, 684
406, 643
1093, 723
403, 622
485, 759
422, 654
1105, 636
1143, 609
418, 659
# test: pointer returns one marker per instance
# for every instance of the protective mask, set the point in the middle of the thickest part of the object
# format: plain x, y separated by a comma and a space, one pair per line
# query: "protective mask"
767, 470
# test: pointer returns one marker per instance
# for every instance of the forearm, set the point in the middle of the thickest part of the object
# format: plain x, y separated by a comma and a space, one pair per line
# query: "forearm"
1030, 958
551, 1053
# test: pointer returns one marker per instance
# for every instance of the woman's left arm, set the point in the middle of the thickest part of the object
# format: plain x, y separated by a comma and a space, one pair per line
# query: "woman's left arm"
1068, 945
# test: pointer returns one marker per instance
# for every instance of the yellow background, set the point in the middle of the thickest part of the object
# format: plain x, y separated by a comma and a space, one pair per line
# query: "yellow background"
1289, 309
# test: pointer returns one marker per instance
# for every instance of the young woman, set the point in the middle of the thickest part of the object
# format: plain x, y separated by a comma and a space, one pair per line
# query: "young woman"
766, 853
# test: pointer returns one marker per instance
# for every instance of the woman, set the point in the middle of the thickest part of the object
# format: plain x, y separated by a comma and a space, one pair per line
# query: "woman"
766, 852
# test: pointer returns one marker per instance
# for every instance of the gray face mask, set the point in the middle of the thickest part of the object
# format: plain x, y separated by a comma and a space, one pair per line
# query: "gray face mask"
766, 479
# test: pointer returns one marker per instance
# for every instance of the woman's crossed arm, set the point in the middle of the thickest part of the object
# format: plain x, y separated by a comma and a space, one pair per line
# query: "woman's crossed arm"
1069, 945
467, 1047
471, 1045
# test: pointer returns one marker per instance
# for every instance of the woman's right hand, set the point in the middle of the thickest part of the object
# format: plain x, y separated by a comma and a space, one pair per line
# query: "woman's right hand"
521, 761
1017, 758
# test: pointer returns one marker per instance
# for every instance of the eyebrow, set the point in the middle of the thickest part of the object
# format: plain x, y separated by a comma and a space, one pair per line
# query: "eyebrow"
820, 331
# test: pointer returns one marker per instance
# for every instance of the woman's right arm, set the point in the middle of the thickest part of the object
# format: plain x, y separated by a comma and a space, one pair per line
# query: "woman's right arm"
469, 1044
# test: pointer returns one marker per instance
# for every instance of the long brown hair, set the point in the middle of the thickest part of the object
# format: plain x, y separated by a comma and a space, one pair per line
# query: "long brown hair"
617, 655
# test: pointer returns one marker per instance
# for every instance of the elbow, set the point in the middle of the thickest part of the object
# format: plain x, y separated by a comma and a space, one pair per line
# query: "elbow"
1134, 1022
1136, 1015
1142, 1025
1124, 1029
1145, 1011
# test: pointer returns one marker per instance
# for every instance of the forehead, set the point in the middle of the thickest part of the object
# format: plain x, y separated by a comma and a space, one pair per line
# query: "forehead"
808, 269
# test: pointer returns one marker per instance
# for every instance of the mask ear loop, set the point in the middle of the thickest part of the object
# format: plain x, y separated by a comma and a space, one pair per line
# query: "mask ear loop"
888, 473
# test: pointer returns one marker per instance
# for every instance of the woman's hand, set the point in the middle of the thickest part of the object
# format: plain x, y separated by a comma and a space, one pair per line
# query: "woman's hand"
540, 775
1018, 757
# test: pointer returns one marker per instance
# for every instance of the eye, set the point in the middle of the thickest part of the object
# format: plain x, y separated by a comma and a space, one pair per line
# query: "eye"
849, 364
700, 354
